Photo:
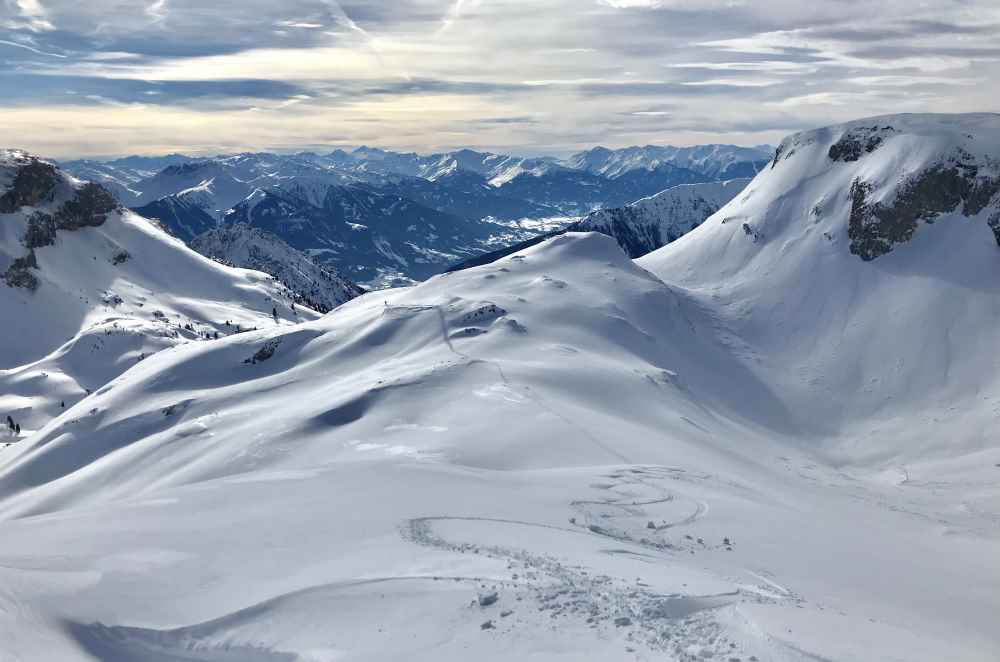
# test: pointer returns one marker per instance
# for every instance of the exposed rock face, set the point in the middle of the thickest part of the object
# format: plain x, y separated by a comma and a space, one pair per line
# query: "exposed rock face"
19, 274
859, 141
89, 208
34, 183
41, 231
874, 227
318, 287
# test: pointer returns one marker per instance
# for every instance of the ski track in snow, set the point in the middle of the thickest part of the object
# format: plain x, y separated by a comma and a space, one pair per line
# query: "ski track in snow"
681, 624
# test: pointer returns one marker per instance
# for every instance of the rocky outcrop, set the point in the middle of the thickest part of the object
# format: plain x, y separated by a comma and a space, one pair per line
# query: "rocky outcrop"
36, 183
33, 184
41, 231
88, 208
19, 273
874, 227
859, 141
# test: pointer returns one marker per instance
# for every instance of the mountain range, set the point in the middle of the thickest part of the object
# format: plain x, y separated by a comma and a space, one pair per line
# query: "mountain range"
772, 438
385, 217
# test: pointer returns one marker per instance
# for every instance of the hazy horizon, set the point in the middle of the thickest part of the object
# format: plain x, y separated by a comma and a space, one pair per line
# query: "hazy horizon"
111, 78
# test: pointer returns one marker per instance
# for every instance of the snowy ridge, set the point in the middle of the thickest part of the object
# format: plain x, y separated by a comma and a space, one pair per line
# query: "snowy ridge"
89, 296
209, 184
889, 328
652, 222
715, 161
309, 284
751, 444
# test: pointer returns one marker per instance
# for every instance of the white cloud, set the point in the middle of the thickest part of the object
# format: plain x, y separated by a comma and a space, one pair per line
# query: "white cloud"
420, 74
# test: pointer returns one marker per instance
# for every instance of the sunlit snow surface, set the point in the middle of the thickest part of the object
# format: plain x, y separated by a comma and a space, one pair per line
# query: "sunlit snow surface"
642, 465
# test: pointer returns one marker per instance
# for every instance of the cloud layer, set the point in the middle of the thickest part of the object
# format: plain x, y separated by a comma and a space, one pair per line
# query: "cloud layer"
118, 76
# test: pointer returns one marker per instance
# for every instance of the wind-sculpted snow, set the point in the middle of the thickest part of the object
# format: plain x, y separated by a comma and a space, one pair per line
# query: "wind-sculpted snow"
555, 455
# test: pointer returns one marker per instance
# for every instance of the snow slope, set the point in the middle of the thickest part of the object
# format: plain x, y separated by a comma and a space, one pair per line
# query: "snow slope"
212, 185
565, 454
652, 222
864, 282
319, 288
106, 294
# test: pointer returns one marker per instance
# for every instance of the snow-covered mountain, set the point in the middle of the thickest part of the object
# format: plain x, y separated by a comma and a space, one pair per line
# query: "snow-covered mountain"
320, 288
120, 176
580, 192
210, 185
375, 238
89, 289
189, 196
771, 439
495, 167
652, 222
183, 216
466, 194
862, 273
639, 228
716, 162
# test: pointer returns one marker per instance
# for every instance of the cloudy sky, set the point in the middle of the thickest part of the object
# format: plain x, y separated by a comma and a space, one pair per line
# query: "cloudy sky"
108, 77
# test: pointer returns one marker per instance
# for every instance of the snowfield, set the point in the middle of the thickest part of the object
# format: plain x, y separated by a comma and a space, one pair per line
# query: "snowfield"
751, 444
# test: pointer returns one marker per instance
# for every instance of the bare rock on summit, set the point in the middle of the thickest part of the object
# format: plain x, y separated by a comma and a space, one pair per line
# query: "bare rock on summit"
34, 183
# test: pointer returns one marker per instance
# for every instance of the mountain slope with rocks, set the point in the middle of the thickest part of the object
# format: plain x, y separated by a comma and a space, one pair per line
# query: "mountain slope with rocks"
861, 269
374, 238
652, 222
317, 287
89, 289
